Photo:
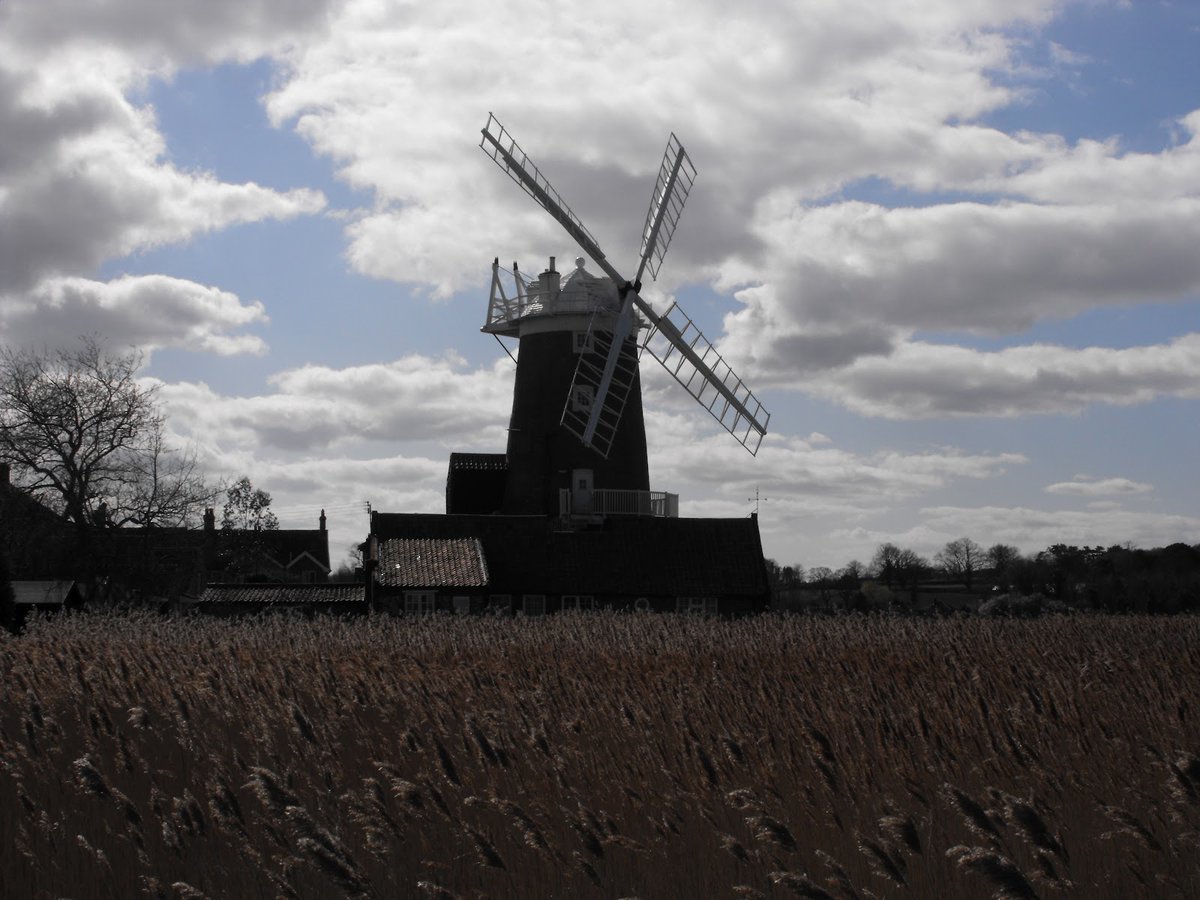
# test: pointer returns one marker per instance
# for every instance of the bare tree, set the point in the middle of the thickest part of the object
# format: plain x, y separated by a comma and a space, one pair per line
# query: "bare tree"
961, 559
886, 563
1001, 558
854, 571
87, 439
161, 486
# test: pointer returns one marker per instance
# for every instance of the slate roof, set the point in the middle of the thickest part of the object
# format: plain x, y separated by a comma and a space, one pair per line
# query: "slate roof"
283, 594
623, 556
41, 593
432, 562
287, 546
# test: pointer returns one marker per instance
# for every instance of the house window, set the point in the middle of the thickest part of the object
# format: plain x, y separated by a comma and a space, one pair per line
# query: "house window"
582, 396
705, 606
580, 602
583, 342
533, 604
462, 605
419, 602
500, 603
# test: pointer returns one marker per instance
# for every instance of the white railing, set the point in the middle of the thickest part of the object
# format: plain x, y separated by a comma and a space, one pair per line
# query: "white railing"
608, 502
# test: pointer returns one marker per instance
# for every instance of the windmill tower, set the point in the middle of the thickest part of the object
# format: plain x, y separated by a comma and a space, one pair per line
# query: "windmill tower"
577, 422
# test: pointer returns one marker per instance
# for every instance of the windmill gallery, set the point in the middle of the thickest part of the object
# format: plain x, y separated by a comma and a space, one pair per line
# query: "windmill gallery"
565, 518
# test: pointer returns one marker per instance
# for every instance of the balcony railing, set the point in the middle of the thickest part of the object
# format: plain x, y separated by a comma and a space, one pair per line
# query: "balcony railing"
608, 502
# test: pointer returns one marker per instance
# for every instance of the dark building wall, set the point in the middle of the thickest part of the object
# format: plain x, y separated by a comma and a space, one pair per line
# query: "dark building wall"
475, 483
541, 453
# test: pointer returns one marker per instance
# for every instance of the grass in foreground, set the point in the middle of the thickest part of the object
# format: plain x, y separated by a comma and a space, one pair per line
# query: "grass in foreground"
601, 756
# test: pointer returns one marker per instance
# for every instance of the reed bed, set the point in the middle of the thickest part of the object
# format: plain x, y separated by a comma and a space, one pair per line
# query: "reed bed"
601, 755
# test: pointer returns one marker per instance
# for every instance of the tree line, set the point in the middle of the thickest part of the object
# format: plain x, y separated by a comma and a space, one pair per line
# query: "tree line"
1119, 578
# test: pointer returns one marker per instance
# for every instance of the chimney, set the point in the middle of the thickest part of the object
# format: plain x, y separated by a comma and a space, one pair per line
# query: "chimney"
210, 520
322, 520
549, 283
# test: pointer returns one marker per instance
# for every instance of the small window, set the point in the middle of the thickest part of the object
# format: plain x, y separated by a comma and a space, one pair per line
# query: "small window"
581, 398
704, 606
583, 342
534, 604
419, 602
581, 602
500, 603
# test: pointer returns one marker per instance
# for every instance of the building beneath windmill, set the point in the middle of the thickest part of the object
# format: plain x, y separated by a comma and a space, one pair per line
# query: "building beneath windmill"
552, 523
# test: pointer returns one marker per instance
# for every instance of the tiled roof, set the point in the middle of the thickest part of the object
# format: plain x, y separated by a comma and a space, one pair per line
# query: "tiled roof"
625, 555
290, 594
432, 562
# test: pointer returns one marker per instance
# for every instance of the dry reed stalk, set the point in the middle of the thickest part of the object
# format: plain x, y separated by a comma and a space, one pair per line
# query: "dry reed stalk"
800, 885
998, 870
1131, 826
769, 829
977, 819
884, 860
840, 877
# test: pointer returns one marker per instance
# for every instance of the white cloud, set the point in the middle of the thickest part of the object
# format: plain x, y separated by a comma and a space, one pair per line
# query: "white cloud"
85, 176
922, 380
1083, 486
315, 408
149, 311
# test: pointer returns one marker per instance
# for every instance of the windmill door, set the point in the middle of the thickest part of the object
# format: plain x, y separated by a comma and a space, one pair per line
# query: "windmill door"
581, 490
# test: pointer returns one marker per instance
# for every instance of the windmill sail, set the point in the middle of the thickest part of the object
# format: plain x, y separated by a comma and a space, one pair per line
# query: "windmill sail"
684, 351
505, 152
606, 388
675, 178
681, 349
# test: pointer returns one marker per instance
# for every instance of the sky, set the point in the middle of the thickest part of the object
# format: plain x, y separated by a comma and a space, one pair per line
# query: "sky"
953, 245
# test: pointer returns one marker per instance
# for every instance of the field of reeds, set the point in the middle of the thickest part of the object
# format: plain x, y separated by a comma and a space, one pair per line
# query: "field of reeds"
601, 756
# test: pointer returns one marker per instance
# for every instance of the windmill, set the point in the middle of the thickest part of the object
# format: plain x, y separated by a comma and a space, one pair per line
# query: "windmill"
600, 317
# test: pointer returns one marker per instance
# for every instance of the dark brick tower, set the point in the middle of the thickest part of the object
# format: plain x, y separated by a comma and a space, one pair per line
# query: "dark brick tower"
556, 320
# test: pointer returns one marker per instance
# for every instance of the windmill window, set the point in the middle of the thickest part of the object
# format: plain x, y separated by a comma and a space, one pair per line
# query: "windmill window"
703, 606
583, 342
534, 604
581, 398
500, 603
419, 603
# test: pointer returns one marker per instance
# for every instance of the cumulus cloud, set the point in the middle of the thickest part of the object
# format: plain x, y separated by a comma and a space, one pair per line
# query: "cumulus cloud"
1083, 486
1048, 229
149, 311
388, 86
923, 380
808, 472
317, 408
85, 176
